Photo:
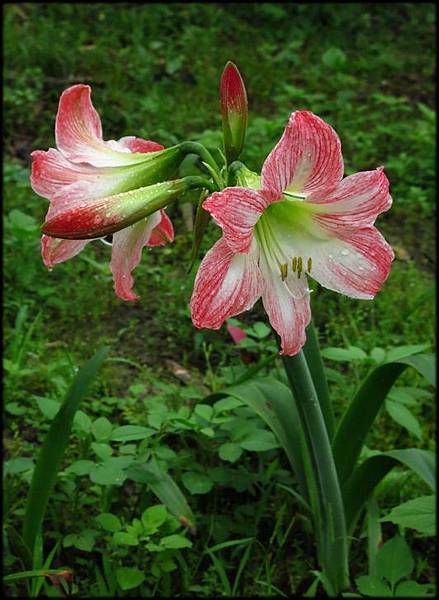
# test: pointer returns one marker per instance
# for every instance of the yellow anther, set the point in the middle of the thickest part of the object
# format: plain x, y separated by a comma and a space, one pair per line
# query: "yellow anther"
294, 265
284, 271
299, 266
309, 265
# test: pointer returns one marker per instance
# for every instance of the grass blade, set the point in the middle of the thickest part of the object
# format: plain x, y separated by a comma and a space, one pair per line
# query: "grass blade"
54, 445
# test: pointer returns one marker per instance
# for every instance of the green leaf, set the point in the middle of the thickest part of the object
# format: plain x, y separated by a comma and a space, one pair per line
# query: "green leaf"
260, 330
226, 404
168, 492
13, 408
129, 578
109, 522
404, 417
35, 573
84, 541
394, 560
394, 354
362, 411
125, 539
274, 403
372, 586
54, 445
103, 451
197, 483
153, 517
104, 474
80, 467
412, 589
344, 354
418, 514
378, 354
370, 472
259, 441
230, 452
19, 465
129, 433
48, 407
82, 421
101, 429
205, 411
334, 58
175, 542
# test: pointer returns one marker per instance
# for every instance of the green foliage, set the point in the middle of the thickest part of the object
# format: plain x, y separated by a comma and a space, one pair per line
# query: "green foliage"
145, 435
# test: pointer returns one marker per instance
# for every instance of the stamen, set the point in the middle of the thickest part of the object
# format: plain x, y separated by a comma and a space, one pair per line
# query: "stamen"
284, 271
294, 265
309, 265
299, 266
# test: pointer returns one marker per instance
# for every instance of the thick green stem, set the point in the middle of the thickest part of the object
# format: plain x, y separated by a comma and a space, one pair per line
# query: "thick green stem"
315, 365
206, 157
330, 522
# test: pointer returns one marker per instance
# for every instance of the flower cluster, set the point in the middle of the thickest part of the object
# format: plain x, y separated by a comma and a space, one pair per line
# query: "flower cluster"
300, 218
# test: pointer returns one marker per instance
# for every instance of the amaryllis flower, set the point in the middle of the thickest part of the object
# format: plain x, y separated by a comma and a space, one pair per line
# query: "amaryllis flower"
97, 187
302, 218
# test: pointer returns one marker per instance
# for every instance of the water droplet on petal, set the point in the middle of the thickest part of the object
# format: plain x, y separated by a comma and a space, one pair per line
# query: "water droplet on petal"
345, 252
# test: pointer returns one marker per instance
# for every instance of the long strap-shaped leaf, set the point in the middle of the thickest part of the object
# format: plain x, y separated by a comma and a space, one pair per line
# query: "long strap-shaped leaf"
54, 445
316, 368
274, 403
359, 417
369, 474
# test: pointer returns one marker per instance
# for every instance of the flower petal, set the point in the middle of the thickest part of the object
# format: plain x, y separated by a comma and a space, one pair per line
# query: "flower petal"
127, 252
78, 132
236, 210
55, 250
163, 233
355, 202
135, 144
306, 158
287, 306
226, 285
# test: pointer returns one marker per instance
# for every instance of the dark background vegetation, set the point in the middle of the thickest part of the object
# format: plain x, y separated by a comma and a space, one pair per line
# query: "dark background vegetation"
154, 70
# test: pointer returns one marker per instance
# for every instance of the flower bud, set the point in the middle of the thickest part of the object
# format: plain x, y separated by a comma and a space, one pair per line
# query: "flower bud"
234, 111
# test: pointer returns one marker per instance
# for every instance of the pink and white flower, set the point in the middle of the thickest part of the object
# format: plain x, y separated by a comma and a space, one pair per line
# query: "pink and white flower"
300, 218
97, 187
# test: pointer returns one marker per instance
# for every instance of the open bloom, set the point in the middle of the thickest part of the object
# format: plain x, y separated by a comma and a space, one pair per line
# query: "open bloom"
97, 187
300, 218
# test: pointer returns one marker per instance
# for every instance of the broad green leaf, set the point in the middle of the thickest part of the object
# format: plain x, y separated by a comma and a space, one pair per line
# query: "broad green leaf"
101, 429
371, 471
395, 354
125, 539
104, 474
109, 522
378, 354
412, 589
419, 514
85, 540
52, 451
82, 421
80, 467
404, 417
19, 465
344, 354
129, 578
153, 517
260, 330
175, 542
259, 441
197, 483
205, 411
362, 411
372, 586
103, 451
226, 404
48, 407
129, 433
394, 560
230, 452
168, 492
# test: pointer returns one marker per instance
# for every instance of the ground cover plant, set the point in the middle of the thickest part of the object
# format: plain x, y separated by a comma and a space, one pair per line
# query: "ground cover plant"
171, 481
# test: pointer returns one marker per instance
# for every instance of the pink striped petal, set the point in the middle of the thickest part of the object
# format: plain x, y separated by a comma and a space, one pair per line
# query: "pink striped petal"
236, 210
307, 157
135, 144
226, 284
127, 252
78, 132
287, 306
55, 250
355, 202
163, 233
